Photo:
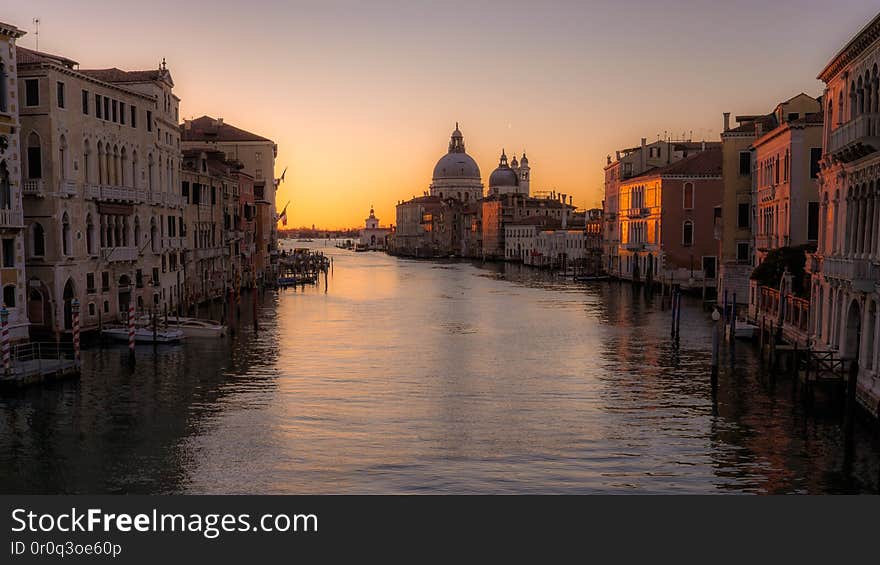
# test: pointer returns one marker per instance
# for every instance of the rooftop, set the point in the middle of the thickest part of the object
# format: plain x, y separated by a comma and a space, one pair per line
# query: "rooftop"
207, 128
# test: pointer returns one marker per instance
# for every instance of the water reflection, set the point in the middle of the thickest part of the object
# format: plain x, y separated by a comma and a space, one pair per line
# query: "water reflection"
409, 376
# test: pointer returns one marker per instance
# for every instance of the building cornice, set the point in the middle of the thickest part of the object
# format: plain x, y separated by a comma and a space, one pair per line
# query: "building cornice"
9, 30
73, 73
856, 46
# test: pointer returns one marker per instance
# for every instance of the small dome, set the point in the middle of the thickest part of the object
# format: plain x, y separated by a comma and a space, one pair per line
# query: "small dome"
524, 161
503, 175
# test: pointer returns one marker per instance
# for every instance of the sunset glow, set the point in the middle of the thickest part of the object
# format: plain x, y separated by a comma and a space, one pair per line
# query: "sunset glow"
361, 99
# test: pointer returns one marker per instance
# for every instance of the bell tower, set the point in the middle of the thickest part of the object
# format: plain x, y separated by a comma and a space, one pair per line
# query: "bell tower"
523, 173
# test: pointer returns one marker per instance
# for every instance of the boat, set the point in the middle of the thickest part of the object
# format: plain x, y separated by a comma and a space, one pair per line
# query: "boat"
361, 247
304, 240
195, 327
145, 335
744, 330
588, 278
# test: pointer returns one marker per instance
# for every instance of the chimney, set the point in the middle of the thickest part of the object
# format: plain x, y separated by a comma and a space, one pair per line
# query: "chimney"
643, 156
759, 129
617, 155
726, 121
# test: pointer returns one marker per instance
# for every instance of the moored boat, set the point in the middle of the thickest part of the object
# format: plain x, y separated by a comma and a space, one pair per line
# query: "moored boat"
145, 335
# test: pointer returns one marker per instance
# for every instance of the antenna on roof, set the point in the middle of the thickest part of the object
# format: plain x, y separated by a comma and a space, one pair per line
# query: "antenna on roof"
37, 32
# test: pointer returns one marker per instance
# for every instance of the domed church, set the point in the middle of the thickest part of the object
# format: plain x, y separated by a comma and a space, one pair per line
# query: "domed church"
456, 174
510, 179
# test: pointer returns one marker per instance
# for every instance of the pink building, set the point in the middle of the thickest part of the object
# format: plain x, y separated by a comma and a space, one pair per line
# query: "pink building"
667, 221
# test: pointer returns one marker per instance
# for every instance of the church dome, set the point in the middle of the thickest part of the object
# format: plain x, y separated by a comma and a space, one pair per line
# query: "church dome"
503, 175
456, 164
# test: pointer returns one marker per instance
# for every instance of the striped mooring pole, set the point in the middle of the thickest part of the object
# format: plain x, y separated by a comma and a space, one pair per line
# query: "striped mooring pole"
4, 335
74, 309
131, 331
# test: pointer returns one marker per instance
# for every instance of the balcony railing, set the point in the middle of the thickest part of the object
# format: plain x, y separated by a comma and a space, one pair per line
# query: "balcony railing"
33, 187
67, 188
11, 218
854, 132
638, 212
110, 193
118, 254
208, 253
767, 194
766, 241
862, 273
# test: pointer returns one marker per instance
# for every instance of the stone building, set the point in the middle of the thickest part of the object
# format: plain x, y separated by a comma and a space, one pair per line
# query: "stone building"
12, 252
628, 163
219, 225
786, 177
101, 208
667, 224
256, 154
845, 302
372, 235
500, 209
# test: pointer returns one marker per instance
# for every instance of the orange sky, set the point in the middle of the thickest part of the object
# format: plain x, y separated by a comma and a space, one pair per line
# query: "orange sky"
361, 97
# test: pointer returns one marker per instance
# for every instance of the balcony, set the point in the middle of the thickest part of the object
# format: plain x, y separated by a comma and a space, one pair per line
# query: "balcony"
632, 246
208, 253
173, 200
767, 194
765, 242
156, 198
109, 193
67, 188
638, 212
856, 138
11, 218
863, 274
119, 254
33, 187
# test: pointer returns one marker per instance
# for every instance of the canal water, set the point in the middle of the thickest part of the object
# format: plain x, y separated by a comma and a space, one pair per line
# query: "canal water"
431, 377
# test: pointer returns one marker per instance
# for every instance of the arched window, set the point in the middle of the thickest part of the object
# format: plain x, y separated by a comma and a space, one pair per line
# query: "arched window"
86, 172
134, 163
99, 161
62, 155
90, 235
154, 236
123, 167
34, 156
4, 95
137, 232
39, 239
9, 296
150, 172
688, 196
5, 188
687, 233
66, 243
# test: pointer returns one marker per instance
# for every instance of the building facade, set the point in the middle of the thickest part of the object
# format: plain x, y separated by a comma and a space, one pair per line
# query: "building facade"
256, 156
372, 235
845, 301
667, 225
100, 185
628, 163
12, 252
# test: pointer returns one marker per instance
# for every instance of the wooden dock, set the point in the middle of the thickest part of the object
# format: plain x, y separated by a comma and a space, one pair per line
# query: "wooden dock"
33, 363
